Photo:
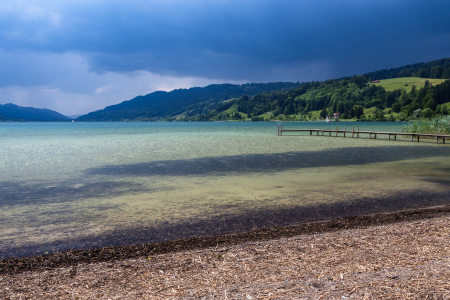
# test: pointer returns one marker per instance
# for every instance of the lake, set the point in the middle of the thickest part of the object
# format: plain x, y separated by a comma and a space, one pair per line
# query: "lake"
81, 185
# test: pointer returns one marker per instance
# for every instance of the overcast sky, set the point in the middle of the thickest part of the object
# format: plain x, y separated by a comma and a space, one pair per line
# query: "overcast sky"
79, 56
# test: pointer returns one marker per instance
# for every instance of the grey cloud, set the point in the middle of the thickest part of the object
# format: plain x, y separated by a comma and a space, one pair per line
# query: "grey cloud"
249, 40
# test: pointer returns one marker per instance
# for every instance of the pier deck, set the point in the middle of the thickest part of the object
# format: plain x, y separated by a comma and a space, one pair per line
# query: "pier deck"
371, 134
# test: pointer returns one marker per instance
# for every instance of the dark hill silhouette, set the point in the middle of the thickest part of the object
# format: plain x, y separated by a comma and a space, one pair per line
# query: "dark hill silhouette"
14, 112
162, 104
439, 69
208, 103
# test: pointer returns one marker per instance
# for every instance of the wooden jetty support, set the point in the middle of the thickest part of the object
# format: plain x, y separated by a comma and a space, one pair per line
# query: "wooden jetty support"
371, 134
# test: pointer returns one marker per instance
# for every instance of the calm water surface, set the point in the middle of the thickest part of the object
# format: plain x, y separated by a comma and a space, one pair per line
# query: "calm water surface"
79, 185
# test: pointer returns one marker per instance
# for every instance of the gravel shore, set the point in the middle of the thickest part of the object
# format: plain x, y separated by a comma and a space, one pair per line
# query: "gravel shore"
405, 258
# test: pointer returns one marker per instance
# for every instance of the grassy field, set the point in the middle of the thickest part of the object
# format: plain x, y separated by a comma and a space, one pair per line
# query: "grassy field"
406, 83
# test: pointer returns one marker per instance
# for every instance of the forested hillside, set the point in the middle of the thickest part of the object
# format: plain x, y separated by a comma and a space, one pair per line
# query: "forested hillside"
194, 101
435, 69
349, 97
352, 97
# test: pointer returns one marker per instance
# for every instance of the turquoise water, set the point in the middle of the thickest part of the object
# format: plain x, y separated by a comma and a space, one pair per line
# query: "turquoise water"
78, 185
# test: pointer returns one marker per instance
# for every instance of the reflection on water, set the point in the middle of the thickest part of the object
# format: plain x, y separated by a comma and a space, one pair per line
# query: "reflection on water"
97, 184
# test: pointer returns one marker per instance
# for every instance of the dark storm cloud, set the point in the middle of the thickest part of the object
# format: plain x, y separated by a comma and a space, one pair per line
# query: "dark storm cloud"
254, 40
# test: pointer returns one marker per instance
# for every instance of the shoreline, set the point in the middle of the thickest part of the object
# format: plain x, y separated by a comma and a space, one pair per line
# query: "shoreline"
14, 265
244, 221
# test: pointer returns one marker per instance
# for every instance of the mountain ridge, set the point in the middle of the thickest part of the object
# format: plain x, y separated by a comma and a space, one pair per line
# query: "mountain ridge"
13, 112
161, 104
209, 103
228, 101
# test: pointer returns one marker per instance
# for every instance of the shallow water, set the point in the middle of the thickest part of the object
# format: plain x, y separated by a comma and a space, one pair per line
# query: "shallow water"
78, 185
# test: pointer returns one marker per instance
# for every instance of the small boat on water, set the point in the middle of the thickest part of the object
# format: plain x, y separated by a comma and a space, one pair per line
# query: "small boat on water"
328, 120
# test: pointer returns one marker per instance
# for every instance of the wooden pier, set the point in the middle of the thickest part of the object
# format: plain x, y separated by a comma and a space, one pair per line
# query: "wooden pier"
356, 133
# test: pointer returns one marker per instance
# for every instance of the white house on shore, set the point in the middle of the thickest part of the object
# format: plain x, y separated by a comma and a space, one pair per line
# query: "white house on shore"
336, 115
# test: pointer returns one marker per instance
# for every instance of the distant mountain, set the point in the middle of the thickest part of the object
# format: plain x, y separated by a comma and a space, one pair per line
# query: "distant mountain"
438, 69
236, 102
351, 97
13, 112
170, 104
73, 116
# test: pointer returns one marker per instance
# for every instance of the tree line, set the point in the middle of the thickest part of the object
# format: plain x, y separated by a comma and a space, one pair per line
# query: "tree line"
348, 96
439, 69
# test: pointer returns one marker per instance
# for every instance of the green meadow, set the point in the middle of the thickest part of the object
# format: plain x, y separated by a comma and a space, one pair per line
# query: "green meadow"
406, 83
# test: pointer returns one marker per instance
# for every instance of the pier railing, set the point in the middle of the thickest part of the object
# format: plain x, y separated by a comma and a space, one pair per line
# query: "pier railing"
356, 133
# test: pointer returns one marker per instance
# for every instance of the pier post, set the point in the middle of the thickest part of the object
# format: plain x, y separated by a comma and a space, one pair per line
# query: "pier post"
336, 130
353, 131
279, 129
358, 132
345, 128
